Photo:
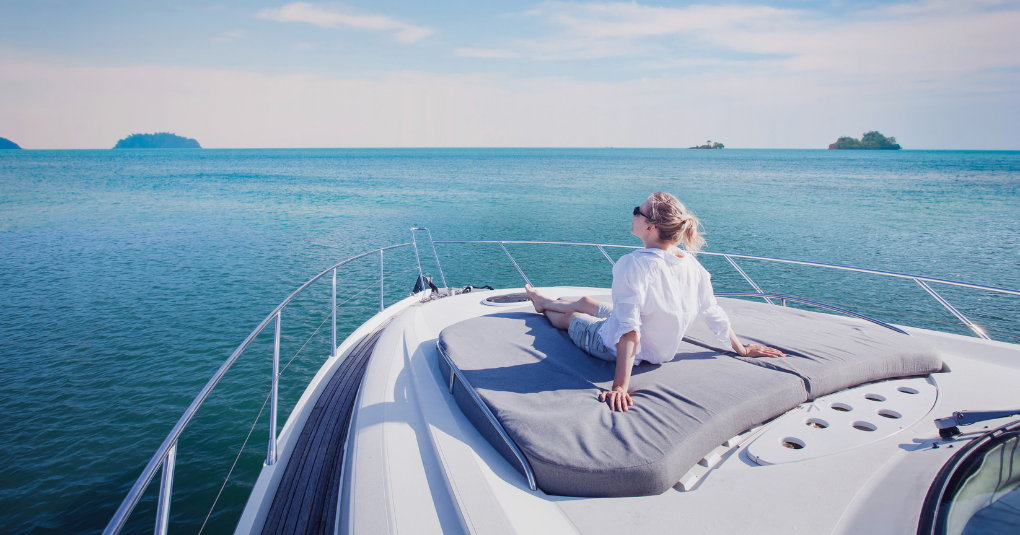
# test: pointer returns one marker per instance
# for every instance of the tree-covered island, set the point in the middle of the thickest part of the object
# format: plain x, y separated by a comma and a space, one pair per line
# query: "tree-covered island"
869, 141
159, 140
709, 145
7, 144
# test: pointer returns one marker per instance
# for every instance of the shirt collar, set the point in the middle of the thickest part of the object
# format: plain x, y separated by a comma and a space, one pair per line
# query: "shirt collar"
669, 258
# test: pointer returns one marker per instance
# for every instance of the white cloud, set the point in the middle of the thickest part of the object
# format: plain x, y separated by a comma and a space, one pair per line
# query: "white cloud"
635, 20
903, 43
48, 105
599, 30
325, 18
491, 53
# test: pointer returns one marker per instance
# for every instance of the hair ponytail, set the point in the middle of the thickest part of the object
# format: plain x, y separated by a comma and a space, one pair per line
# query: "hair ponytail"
675, 223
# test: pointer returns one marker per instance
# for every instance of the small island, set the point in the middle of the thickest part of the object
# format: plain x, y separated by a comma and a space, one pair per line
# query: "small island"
709, 145
159, 140
8, 144
869, 141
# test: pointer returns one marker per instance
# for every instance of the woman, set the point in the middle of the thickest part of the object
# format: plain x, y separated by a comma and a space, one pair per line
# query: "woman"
657, 293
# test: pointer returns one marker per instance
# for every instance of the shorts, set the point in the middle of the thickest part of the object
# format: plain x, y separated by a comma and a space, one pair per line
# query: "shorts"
584, 332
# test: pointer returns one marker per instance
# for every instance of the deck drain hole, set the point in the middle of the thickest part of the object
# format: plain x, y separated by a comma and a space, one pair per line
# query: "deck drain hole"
864, 426
874, 397
841, 407
907, 390
893, 415
817, 423
792, 443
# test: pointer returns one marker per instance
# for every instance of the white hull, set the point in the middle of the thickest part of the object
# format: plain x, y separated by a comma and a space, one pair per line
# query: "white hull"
415, 464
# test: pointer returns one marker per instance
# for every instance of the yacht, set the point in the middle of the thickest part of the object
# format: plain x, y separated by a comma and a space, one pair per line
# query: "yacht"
460, 410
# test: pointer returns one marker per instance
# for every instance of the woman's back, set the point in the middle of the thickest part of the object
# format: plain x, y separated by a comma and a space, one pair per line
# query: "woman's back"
659, 294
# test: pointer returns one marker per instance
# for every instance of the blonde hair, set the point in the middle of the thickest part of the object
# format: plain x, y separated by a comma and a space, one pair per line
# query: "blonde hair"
675, 223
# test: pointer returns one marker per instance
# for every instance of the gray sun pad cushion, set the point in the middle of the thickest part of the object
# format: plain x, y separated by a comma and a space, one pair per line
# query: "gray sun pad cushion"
829, 352
544, 391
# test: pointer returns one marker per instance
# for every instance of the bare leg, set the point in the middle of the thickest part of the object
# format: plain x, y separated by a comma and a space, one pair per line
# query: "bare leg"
584, 305
561, 312
560, 320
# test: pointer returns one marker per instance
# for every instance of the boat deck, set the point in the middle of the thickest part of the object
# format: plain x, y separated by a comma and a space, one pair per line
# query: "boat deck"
306, 499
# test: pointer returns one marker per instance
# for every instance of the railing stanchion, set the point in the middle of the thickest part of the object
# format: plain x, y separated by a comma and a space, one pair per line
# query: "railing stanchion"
765, 258
442, 276
977, 330
166, 486
515, 264
748, 279
271, 456
127, 505
606, 255
381, 306
165, 455
417, 259
332, 346
436, 255
783, 301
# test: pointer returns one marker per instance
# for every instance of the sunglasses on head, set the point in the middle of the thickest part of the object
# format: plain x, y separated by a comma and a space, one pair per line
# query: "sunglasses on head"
637, 211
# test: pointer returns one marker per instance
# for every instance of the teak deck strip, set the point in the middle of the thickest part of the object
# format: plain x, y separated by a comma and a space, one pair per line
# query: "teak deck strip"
306, 499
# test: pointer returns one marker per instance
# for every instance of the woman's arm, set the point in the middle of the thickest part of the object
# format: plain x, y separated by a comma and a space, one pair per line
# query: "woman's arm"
626, 350
752, 350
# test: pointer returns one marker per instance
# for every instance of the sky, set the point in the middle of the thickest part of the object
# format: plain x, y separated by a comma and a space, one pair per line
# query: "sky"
387, 73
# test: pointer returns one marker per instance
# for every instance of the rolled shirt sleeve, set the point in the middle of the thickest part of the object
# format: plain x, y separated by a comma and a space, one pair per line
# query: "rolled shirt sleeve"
629, 289
715, 317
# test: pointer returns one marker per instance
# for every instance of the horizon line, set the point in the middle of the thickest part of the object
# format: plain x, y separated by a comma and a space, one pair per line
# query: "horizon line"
513, 148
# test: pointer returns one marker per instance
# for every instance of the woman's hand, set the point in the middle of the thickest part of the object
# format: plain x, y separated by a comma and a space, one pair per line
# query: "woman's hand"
758, 350
618, 398
752, 350
626, 352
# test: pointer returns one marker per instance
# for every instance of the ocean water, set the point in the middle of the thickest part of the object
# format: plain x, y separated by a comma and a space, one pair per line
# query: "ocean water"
127, 277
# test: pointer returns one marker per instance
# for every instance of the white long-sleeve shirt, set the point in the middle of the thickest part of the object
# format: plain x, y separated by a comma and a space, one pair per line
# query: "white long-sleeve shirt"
659, 295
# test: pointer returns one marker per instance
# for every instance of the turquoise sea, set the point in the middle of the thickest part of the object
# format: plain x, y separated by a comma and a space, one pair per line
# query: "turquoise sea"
127, 277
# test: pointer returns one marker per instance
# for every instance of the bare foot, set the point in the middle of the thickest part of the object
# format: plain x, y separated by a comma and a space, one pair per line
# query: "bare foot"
537, 299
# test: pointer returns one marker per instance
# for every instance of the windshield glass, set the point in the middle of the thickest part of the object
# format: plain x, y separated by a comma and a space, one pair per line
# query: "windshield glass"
983, 494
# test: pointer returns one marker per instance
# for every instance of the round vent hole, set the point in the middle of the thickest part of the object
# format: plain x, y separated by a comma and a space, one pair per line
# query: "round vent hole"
874, 397
907, 390
792, 443
864, 426
817, 423
508, 298
841, 407
892, 415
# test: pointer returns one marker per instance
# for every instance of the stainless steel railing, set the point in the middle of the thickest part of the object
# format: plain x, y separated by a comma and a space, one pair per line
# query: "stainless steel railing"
166, 454
819, 304
922, 281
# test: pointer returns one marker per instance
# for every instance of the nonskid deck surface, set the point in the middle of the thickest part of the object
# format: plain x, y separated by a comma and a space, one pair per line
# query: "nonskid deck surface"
306, 499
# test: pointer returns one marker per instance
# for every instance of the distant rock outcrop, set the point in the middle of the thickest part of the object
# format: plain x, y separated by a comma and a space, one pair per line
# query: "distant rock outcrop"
709, 145
159, 140
8, 144
869, 141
